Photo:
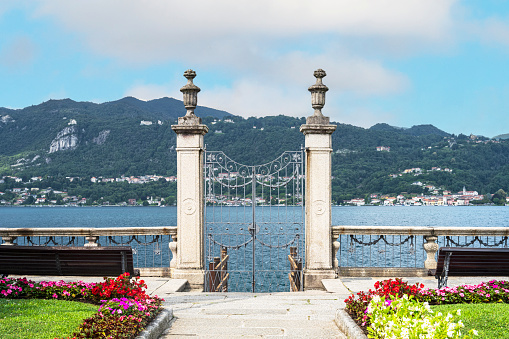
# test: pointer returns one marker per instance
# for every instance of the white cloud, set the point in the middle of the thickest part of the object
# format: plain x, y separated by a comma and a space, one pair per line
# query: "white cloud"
19, 53
492, 30
208, 31
281, 86
7, 5
266, 50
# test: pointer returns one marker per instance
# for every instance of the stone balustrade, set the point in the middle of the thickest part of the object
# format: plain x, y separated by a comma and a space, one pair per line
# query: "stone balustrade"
110, 236
385, 239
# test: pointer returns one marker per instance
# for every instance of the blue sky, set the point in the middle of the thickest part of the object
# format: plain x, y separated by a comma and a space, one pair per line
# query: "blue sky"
401, 62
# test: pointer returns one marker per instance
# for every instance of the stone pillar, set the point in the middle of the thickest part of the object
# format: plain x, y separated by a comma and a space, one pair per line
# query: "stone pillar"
189, 259
318, 142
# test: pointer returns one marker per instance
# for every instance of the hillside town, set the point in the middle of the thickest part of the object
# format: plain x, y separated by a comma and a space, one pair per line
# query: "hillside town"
434, 196
447, 198
22, 195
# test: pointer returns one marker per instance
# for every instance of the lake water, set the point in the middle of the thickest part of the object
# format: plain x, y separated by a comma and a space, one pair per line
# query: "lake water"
272, 244
468, 216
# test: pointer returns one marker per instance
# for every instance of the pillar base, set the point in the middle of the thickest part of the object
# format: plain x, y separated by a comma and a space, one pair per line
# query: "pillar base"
313, 278
195, 278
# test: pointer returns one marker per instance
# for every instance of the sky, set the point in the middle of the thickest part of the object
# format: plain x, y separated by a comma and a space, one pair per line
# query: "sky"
400, 62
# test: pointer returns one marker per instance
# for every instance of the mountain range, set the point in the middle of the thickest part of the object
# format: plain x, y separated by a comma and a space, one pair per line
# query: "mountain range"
132, 137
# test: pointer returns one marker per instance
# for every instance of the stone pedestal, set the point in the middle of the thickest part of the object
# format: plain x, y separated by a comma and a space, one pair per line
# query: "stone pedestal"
319, 252
190, 208
189, 257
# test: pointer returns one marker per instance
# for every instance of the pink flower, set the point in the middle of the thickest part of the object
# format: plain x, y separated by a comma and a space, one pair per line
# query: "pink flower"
55, 296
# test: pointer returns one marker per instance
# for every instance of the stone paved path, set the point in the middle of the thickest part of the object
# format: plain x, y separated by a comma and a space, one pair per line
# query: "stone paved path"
246, 315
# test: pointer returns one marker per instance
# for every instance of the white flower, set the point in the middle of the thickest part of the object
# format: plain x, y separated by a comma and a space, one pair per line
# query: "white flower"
458, 312
475, 332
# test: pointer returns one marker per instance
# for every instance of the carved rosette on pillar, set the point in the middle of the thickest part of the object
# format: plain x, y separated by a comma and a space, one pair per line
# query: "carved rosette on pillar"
189, 256
318, 141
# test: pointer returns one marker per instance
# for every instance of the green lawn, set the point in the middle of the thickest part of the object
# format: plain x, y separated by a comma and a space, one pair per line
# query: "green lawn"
40, 318
490, 320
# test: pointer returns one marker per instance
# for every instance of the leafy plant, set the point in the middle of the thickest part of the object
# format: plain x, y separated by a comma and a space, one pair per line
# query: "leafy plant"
404, 317
391, 288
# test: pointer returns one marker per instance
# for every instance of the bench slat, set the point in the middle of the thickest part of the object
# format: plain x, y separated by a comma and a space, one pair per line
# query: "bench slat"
87, 261
471, 262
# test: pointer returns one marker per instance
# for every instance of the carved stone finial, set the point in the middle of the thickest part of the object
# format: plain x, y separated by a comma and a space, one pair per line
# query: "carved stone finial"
318, 99
190, 91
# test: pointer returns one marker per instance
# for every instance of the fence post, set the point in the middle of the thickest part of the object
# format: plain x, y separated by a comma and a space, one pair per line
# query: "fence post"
431, 248
92, 241
173, 248
318, 141
190, 207
8, 240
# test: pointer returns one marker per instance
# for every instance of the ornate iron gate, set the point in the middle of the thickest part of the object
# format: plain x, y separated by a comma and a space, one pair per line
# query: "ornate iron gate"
254, 224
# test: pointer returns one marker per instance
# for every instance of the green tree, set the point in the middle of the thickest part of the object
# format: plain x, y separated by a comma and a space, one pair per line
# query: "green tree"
29, 201
499, 198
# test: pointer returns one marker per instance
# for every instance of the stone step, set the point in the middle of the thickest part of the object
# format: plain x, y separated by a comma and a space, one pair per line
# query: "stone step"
229, 328
295, 315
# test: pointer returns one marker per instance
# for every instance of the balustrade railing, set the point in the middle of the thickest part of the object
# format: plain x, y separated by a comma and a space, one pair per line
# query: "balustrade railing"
153, 247
400, 250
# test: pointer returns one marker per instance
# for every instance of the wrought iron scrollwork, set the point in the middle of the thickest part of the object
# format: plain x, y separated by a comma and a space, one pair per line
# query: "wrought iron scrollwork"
51, 240
133, 238
224, 170
233, 247
383, 238
291, 242
450, 241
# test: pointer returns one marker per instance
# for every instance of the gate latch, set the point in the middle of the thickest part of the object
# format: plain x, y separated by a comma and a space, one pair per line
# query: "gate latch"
254, 228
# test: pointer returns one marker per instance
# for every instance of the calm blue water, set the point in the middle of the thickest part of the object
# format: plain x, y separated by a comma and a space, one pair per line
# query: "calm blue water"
468, 216
459, 216
272, 267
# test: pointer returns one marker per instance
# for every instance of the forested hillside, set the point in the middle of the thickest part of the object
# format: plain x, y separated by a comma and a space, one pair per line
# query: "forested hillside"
63, 138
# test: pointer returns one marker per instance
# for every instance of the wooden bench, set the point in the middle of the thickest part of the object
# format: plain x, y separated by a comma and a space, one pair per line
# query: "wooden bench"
71, 261
457, 261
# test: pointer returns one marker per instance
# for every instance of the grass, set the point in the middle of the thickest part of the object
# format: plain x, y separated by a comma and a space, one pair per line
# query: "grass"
41, 318
490, 320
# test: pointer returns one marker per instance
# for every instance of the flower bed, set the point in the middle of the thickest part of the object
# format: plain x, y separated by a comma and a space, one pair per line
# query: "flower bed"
124, 307
386, 300
388, 289
405, 317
